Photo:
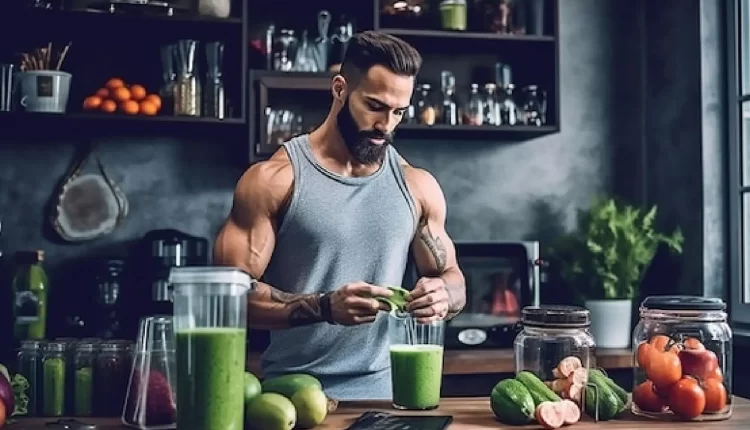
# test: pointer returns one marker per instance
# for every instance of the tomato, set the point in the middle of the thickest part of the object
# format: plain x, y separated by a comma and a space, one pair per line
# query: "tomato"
698, 363
664, 369
716, 395
645, 397
686, 398
693, 344
663, 343
645, 350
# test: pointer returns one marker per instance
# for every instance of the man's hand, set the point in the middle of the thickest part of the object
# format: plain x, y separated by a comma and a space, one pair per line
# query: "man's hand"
430, 300
356, 303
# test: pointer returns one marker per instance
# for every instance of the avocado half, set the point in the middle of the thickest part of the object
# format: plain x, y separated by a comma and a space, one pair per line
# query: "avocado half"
397, 301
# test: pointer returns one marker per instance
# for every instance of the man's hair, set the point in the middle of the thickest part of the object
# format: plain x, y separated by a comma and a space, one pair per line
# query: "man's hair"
373, 48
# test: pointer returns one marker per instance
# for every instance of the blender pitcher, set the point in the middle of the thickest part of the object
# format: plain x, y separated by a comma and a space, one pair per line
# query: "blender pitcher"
210, 314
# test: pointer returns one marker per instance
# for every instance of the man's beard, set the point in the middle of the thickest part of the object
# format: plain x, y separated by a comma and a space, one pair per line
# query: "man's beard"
358, 141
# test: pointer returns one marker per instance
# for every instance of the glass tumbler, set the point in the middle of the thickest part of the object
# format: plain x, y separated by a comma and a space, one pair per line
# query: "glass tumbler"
416, 362
150, 400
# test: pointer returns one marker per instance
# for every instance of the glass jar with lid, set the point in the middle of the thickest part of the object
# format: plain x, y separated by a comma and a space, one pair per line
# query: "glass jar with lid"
683, 357
555, 344
425, 106
54, 375
84, 360
30, 366
453, 14
111, 374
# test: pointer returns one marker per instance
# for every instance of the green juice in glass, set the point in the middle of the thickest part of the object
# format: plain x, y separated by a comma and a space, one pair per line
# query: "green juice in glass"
210, 378
416, 375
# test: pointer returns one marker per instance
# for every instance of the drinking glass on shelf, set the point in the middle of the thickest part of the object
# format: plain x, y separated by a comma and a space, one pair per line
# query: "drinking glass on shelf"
282, 125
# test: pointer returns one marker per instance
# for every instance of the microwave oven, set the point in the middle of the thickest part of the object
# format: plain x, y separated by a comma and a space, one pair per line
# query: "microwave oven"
502, 277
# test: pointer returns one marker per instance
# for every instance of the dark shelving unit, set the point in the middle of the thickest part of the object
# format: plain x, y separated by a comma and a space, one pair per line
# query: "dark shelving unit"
448, 34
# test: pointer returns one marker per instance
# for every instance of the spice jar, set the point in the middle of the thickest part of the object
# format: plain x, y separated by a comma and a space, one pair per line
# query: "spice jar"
30, 366
83, 382
54, 379
425, 107
555, 344
683, 359
453, 14
111, 374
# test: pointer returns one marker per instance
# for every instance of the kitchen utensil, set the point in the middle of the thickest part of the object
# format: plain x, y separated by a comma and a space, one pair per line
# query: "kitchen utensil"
150, 401
214, 103
187, 93
210, 318
87, 206
323, 43
6, 87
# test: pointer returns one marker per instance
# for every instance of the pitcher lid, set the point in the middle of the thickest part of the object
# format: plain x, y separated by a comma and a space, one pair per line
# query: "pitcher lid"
210, 275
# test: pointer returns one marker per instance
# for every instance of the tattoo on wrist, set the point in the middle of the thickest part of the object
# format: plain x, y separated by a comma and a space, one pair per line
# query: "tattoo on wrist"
304, 309
433, 244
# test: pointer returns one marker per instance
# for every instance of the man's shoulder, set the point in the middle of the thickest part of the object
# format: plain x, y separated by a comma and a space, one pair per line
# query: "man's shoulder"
268, 181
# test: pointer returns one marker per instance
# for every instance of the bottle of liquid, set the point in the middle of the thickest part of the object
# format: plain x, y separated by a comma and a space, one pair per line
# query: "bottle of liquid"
30, 286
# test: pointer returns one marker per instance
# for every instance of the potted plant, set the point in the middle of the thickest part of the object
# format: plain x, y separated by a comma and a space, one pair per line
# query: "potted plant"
603, 263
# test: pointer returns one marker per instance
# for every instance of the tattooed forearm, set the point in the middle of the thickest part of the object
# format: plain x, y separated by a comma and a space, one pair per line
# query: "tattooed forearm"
434, 245
304, 309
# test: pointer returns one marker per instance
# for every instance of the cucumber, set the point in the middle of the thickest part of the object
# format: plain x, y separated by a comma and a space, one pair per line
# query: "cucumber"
618, 390
511, 402
609, 403
287, 385
539, 392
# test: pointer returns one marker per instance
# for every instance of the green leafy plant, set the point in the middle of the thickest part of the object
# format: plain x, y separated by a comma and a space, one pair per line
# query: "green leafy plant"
606, 258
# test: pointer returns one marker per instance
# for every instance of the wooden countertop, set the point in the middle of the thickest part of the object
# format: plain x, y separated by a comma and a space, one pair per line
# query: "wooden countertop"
476, 361
468, 414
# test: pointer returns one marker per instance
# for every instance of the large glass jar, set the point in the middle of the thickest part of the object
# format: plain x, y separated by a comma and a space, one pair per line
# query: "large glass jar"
30, 366
54, 379
555, 344
683, 357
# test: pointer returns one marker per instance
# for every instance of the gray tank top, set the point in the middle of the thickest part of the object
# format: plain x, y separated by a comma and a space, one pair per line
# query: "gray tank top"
338, 230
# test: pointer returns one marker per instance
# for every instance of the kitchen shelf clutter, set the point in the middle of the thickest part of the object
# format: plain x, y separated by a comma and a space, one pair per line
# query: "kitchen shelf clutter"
491, 69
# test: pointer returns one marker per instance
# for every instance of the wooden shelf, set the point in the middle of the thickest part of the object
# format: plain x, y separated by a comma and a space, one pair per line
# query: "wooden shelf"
450, 34
474, 133
484, 361
63, 126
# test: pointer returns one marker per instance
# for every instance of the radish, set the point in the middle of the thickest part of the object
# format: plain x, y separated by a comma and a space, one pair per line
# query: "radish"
550, 415
571, 412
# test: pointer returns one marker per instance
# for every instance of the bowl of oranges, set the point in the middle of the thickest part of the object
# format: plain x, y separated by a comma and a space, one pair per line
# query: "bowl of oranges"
116, 96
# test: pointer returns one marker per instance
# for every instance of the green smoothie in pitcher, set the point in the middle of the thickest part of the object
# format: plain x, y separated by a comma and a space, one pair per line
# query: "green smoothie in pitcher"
416, 374
210, 378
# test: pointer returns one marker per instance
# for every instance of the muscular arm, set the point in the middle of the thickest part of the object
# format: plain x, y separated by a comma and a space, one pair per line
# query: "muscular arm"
247, 240
433, 250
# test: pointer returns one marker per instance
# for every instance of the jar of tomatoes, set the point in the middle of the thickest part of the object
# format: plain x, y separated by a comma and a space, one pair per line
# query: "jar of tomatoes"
556, 346
683, 359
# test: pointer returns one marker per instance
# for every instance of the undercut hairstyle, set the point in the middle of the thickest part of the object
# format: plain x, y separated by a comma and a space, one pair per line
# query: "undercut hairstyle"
373, 48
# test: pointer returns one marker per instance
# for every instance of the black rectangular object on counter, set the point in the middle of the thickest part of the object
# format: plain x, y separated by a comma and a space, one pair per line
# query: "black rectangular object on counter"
376, 420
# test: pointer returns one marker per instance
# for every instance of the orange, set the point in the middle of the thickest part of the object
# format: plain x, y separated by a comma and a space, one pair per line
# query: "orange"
115, 83
149, 108
103, 93
92, 102
121, 94
108, 106
130, 107
137, 92
155, 99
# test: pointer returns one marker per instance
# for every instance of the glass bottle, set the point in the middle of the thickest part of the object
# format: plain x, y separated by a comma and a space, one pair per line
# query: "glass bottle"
111, 374
30, 366
54, 379
532, 106
449, 108
473, 113
508, 109
491, 105
30, 296
83, 382
425, 108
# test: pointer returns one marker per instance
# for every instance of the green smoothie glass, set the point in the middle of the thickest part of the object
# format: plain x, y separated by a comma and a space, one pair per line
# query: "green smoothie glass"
210, 317
416, 362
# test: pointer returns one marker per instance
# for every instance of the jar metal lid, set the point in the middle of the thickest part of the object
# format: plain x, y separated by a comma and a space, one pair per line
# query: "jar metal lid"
452, 2
683, 303
556, 316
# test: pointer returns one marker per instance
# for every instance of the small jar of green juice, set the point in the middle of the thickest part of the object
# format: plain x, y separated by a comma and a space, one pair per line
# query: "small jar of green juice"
453, 14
